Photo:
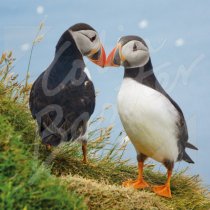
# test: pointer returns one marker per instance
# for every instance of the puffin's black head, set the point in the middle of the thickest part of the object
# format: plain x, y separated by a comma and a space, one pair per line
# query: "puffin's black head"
88, 42
130, 52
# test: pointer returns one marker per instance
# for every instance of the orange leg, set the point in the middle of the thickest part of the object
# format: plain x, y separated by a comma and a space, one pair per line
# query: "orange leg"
139, 183
84, 151
164, 190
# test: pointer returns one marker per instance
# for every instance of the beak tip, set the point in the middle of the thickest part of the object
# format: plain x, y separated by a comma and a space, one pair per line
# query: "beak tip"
110, 59
101, 60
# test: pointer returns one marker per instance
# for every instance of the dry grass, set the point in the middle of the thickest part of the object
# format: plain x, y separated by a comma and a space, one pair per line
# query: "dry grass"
100, 195
107, 174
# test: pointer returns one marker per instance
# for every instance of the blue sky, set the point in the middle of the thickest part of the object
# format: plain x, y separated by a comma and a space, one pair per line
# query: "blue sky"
176, 32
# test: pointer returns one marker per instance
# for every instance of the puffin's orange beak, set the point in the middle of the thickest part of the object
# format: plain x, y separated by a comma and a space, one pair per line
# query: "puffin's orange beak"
110, 58
98, 57
115, 57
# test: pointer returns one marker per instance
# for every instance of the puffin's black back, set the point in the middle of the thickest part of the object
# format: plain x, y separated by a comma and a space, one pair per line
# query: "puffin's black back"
62, 99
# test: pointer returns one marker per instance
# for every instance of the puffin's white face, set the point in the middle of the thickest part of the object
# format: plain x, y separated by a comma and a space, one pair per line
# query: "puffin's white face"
135, 53
87, 41
130, 52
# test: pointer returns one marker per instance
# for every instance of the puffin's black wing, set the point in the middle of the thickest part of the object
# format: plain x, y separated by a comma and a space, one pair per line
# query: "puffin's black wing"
152, 82
183, 134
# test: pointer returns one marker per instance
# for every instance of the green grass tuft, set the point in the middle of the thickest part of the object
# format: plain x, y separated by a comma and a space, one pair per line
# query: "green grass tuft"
24, 181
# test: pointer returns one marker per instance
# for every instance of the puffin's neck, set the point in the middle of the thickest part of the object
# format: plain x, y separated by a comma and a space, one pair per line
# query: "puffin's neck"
67, 51
140, 74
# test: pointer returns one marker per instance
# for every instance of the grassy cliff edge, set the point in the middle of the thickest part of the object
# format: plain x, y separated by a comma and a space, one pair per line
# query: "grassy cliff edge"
33, 178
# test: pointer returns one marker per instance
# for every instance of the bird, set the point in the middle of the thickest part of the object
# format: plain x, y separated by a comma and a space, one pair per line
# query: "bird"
62, 99
153, 121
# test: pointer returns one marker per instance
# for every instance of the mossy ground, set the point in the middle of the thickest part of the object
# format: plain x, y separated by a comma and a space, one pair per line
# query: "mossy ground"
32, 177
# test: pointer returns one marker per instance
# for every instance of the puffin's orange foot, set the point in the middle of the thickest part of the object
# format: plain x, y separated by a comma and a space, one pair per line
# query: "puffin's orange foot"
163, 190
137, 184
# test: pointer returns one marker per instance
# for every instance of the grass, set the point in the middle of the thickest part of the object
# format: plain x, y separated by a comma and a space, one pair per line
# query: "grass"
32, 177
25, 183
100, 195
106, 175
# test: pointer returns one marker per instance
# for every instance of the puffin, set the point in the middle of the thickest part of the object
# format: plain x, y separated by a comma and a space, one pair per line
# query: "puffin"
153, 121
62, 99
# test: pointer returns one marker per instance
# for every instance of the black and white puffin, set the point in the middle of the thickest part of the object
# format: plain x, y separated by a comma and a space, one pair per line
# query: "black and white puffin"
62, 99
152, 120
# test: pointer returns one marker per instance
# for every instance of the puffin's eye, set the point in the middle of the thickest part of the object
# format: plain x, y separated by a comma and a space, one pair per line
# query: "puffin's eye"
93, 38
134, 47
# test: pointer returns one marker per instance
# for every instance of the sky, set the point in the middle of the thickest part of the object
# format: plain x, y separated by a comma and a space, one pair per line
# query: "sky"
176, 32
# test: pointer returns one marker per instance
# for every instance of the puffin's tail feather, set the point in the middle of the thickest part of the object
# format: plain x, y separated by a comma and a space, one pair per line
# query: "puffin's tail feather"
190, 146
187, 158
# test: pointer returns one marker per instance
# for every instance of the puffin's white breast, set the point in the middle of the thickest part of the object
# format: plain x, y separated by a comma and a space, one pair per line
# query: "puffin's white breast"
87, 73
149, 120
